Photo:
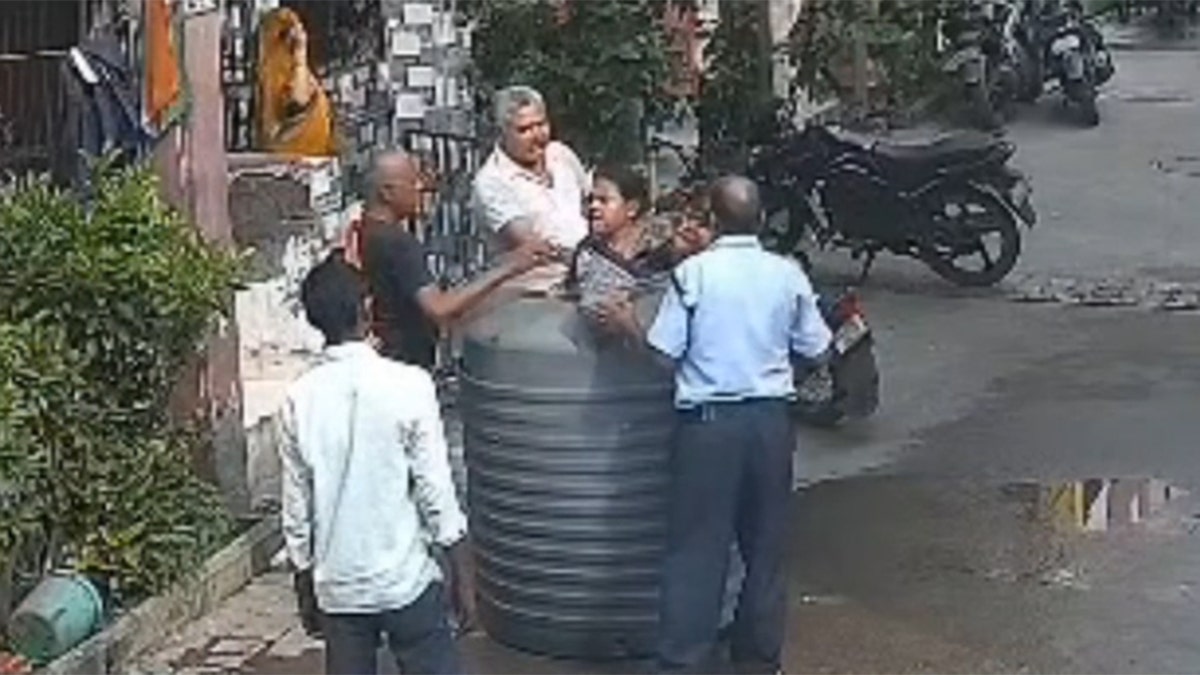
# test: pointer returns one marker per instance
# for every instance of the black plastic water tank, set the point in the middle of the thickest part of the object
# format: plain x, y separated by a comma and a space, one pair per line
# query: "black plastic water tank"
566, 438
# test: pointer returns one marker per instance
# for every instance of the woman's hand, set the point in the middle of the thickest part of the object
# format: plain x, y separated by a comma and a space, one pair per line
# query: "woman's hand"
298, 41
615, 314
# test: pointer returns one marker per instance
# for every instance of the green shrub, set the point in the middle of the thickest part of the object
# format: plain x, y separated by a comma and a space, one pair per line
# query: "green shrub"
37, 389
130, 282
100, 308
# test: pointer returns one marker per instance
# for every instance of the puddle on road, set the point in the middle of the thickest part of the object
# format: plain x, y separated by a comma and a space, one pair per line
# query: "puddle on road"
1005, 570
925, 529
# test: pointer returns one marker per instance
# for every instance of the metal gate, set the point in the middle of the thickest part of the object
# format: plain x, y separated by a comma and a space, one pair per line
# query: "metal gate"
34, 37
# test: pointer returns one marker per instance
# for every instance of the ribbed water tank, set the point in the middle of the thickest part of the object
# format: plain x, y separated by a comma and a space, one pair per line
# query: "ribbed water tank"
566, 438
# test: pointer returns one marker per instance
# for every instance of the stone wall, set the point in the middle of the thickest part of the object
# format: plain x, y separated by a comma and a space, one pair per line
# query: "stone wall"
287, 216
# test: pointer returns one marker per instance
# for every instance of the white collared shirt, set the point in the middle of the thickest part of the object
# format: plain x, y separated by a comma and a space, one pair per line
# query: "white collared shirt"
505, 191
366, 480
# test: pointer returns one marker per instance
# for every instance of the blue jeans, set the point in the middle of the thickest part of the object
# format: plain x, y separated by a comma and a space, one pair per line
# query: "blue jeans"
418, 635
731, 467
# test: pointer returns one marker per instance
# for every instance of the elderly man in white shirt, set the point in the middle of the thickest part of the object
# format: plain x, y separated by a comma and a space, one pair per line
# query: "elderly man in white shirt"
530, 187
368, 495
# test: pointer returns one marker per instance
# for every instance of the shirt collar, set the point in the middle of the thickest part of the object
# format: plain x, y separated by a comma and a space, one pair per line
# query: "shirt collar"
737, 241
355, 349
510, 167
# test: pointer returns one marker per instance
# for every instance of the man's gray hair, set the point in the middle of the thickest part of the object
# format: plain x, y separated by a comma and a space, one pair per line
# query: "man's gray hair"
511, 99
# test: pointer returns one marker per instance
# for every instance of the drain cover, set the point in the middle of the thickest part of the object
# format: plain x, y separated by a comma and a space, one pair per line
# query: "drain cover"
1188, 165
1152, 96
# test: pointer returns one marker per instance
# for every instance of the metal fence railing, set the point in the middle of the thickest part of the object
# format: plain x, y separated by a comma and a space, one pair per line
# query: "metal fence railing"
35, 36
457, 248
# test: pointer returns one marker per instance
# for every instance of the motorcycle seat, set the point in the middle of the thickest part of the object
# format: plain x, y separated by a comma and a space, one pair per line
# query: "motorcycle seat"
943, 150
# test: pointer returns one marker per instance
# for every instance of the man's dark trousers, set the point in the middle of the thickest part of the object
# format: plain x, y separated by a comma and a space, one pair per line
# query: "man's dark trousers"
419, 636
731, 468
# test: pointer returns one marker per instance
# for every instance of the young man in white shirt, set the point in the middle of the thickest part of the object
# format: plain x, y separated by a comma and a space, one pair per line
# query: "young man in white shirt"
367, 491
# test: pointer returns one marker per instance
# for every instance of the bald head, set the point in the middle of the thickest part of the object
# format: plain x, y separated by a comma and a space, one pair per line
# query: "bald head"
736, 205
394, 182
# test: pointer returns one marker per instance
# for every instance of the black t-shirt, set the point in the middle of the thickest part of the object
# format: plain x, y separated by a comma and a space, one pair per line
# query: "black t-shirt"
394, 262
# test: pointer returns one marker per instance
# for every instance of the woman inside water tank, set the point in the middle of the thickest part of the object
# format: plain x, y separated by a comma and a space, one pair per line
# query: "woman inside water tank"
622, 252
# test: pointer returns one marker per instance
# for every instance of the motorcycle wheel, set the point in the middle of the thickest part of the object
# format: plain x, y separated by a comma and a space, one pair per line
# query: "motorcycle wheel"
1031, 81
965, 221
983, 113
1085, 96
1123, 11
785, 232
824, 413
855, 377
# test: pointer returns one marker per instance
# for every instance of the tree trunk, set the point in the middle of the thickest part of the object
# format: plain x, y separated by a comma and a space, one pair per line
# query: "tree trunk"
731, 111
7, 567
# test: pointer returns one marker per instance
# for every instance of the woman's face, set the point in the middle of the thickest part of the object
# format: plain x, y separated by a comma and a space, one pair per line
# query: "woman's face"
608, 211
690, 237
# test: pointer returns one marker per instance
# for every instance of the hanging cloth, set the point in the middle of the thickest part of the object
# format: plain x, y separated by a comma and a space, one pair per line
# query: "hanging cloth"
164, 79
100, 111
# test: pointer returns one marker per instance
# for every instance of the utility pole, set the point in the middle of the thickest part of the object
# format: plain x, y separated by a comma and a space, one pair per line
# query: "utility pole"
195, 169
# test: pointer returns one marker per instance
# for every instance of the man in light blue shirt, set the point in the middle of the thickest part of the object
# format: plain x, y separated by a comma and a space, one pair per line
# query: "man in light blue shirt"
733, 321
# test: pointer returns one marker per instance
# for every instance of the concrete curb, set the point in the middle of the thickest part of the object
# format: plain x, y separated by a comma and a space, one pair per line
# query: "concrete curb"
225, 573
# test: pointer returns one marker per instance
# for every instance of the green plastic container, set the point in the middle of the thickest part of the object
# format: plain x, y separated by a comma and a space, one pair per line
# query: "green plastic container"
62, 611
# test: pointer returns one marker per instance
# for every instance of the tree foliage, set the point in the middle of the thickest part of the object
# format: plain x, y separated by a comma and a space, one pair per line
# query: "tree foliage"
100, 307
901, 44
603, 66
736, 97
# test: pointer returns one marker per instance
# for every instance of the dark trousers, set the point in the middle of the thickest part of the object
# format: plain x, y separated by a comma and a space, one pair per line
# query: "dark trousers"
731, 470
419, 637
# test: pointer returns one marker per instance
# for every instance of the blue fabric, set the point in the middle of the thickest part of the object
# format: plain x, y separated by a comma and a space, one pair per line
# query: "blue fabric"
732, 321
419, 637
99, 119
731, 482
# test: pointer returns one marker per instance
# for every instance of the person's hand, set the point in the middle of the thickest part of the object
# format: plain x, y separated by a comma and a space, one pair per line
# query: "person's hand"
532, 255
306, 602
298, 40
616, 314
462, 587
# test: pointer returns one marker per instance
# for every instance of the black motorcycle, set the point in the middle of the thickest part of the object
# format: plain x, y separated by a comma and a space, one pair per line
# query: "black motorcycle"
1070, 49
951, 202
984, 70
848, 385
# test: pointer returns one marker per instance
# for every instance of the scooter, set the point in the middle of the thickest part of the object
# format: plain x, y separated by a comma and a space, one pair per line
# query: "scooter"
847, 385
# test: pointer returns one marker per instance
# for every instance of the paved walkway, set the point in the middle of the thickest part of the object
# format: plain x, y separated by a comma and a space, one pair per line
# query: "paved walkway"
256, 631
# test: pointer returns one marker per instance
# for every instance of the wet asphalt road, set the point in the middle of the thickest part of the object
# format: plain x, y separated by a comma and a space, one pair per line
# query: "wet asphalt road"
928, 529
998, 514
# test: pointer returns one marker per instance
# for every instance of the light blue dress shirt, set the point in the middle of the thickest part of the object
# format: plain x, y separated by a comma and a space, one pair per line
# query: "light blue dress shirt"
732, 320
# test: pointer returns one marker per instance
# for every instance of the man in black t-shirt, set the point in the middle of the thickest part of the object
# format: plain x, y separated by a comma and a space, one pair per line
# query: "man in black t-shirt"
409, 307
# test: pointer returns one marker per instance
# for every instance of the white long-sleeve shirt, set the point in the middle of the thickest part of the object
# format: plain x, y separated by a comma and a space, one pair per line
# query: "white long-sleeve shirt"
363, 518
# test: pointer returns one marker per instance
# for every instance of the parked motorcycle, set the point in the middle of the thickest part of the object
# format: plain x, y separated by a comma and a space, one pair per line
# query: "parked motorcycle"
951, 202
1070, 49
848, 385
984, 68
